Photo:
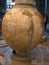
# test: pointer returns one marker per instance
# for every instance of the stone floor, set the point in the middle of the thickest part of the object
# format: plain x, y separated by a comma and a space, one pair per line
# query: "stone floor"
39, 55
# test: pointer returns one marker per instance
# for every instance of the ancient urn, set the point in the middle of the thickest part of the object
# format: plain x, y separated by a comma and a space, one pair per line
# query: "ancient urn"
23, 27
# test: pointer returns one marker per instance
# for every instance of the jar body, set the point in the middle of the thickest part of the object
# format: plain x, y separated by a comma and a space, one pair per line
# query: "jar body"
23, 28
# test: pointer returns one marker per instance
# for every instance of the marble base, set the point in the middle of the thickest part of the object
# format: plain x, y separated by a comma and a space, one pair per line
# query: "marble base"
39, 55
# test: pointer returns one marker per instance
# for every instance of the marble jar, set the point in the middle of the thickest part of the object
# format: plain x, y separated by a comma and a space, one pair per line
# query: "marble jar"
23, 27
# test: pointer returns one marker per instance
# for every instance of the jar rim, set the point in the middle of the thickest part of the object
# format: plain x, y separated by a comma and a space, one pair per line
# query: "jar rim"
26, 4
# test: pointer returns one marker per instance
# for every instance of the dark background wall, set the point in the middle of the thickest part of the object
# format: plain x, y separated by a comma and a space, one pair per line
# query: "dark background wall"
2, 11
40, 4
2, 7
48, 9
